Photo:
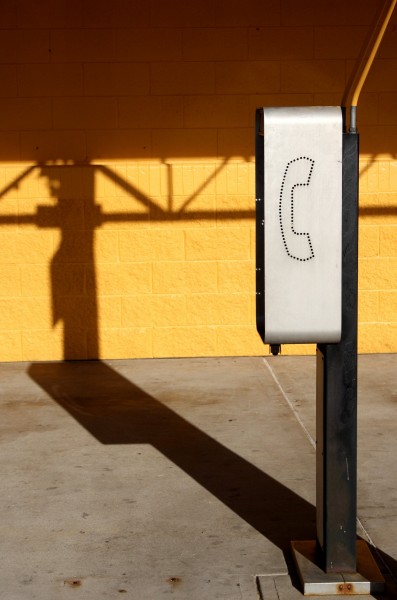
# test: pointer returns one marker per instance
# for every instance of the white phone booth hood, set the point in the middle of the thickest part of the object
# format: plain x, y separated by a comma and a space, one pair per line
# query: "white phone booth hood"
300, 232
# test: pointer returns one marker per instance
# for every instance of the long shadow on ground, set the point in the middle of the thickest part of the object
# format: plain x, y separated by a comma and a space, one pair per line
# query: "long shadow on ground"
116, 411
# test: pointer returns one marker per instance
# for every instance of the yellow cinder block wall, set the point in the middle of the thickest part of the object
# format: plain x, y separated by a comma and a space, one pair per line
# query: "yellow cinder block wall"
127, 169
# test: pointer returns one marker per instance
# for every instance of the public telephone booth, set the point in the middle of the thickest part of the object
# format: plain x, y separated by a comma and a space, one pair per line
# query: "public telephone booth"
306, 275
306, 290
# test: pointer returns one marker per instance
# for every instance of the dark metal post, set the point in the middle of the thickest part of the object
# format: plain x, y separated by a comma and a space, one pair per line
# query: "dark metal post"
337, 398
260, 216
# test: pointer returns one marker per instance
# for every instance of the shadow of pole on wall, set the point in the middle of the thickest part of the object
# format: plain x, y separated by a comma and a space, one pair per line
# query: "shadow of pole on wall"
72, 269
77, 216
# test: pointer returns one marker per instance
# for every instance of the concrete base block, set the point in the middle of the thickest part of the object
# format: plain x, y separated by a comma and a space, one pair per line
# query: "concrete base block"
366, 580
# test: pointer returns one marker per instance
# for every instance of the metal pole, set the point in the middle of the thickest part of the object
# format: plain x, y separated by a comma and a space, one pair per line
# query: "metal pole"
337, 398
365, 60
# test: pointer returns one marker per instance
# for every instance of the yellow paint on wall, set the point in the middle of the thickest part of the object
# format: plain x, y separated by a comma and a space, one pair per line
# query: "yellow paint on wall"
127, 172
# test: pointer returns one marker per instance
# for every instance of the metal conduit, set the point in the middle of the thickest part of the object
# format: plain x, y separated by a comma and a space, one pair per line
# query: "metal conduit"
364, 63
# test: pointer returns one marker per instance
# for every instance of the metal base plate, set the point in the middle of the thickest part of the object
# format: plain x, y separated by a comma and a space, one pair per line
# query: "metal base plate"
368, 578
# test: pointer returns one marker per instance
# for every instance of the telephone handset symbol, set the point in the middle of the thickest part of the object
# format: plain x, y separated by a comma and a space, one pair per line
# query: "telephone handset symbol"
298, 244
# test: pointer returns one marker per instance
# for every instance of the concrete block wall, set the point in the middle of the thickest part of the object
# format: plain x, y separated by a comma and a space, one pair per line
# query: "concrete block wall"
127, 169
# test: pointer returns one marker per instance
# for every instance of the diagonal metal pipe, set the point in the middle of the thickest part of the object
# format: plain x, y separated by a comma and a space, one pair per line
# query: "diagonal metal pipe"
365, 60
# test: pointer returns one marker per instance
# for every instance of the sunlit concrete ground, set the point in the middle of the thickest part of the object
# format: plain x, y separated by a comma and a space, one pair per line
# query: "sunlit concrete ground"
187, 478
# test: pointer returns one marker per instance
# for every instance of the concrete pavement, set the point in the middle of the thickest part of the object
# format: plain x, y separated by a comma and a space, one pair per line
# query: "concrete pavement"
186, 478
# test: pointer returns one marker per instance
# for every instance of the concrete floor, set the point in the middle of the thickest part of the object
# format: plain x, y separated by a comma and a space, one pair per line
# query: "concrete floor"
187, 478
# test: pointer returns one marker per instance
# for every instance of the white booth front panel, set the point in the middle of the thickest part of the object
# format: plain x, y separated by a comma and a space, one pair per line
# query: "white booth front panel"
302, 224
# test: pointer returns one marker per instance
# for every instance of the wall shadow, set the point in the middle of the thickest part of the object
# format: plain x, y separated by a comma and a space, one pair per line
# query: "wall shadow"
377, 211
77, 216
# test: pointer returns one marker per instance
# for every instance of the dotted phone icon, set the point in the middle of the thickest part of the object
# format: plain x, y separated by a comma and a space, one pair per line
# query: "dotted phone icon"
298, 173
